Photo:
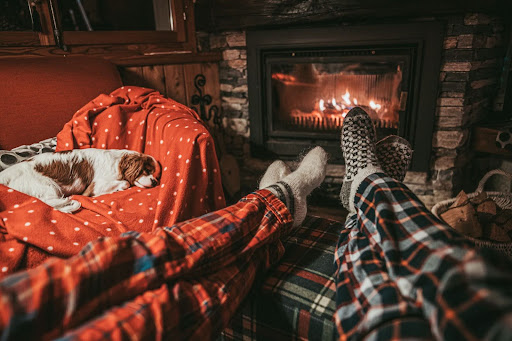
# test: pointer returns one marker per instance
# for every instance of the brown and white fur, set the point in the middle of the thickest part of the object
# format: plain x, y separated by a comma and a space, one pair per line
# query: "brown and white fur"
53, 177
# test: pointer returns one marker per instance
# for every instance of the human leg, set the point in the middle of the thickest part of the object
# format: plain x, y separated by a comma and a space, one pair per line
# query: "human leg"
61, 294
397, 261
191, 308
107, 272
368, 300
293, 188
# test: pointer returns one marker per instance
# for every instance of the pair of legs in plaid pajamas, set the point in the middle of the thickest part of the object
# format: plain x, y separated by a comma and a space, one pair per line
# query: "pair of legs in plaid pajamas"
400, 272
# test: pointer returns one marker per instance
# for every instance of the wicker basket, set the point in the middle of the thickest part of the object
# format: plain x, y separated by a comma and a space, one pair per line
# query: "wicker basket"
502, 199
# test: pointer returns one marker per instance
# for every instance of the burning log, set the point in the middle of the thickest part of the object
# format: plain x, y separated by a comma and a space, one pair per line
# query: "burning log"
330, 121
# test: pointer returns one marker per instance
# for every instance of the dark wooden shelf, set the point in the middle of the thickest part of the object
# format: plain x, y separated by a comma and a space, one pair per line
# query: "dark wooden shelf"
484, 141
171, 57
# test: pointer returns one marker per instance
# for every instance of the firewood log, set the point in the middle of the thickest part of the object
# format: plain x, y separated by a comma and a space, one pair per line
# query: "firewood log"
498, 233
460, 200
463, 218
503, 218
486, 211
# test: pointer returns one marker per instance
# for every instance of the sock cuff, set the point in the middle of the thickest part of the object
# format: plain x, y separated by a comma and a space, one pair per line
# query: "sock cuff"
291, 196
361, 174
284, 192
278, 192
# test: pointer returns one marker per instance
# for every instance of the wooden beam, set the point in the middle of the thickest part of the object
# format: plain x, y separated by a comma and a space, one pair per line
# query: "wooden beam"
234, 14
123, 55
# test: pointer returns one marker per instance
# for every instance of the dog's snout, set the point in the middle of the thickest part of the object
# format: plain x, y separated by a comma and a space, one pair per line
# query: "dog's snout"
154, 182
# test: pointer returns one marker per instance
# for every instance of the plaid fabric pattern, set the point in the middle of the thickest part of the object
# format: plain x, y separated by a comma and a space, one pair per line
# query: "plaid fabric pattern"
180, 282
296, 300
401, 273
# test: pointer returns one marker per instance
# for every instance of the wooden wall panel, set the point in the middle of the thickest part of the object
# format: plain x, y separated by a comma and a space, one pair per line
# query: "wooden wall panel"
189, 72
175, 83
212, 86
154, 78
132, 75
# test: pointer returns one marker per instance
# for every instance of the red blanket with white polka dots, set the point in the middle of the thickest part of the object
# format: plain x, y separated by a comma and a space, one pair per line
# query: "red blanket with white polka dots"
129, 118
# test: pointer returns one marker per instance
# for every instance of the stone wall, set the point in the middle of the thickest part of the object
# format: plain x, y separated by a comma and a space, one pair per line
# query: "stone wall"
472, 55
472, 58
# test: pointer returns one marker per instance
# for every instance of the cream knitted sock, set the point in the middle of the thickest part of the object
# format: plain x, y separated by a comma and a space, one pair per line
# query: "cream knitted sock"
275, 172
293, 189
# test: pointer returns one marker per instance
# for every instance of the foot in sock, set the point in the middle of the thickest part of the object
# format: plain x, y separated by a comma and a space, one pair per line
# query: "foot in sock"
294, 187
394, 154
275, 172
358, 141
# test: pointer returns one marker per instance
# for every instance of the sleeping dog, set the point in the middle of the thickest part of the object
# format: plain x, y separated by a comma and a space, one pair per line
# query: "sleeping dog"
53, 177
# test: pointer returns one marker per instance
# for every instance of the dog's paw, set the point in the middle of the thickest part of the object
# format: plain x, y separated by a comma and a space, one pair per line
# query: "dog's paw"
71, 207
122, 186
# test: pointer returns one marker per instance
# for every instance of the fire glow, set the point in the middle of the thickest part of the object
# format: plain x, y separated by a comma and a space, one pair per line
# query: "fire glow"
317, 102
329, 114
346, 104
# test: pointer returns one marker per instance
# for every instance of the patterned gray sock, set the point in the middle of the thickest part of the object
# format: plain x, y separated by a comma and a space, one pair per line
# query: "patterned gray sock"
358, 146
394, 154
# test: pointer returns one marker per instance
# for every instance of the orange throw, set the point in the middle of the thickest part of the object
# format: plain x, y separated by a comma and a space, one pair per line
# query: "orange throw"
133, 118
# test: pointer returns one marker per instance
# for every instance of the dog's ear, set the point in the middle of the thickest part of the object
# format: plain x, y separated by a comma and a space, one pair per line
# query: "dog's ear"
131, 166
151, 166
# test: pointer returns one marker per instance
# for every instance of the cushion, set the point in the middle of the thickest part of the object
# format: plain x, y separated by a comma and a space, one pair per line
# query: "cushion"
40, 94
297, 298
11, 157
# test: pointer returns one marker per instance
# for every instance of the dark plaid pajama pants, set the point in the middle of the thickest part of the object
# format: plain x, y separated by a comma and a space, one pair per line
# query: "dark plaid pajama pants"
403, 274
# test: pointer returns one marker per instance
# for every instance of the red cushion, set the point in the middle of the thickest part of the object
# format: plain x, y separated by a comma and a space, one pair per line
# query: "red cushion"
38, 95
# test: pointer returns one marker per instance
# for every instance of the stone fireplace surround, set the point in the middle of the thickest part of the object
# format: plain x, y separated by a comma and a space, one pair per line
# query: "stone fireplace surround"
468, 81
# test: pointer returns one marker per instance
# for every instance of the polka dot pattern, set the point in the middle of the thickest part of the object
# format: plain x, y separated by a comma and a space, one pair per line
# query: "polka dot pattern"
189, 186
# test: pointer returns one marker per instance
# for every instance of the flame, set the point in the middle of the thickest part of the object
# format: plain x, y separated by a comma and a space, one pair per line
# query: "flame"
327, 106
375, 106
346, 97
335, 104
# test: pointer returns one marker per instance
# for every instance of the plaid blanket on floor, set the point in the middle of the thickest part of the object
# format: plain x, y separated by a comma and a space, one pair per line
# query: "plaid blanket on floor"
403, 274
296, 299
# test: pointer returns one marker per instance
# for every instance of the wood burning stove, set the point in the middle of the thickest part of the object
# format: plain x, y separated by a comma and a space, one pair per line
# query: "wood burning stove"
302, 82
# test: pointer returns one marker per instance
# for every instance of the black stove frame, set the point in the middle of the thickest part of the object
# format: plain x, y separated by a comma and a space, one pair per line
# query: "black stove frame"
420, 44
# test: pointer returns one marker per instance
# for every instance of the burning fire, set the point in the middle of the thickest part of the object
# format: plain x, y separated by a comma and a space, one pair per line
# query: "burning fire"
330, 110
347, 103
329, 114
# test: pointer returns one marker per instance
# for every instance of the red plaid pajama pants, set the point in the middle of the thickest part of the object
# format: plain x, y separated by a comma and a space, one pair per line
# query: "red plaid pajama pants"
403, 274
181, 282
